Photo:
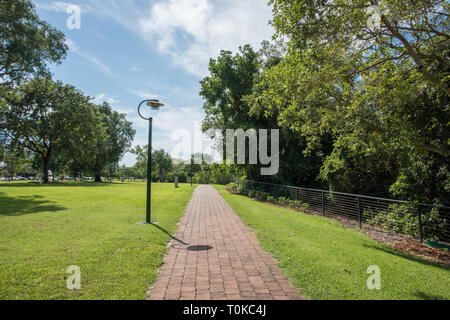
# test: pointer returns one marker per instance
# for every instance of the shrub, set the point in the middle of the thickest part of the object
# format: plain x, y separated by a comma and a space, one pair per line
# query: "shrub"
283, 201
233, 186
271, 199
242, 189
181, 177
403, 218
202, 177
262, 196
252, 193
220, 173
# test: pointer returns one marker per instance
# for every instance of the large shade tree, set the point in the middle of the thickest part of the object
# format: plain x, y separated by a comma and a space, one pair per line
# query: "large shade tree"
44, 117
161, 162
371, 32
27, 42
118, 137
231, 93
384, 105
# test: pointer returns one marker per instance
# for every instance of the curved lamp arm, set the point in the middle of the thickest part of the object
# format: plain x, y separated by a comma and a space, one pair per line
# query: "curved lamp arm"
153, 103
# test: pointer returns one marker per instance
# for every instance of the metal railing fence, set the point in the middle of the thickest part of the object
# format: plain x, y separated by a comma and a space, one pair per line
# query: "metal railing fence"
421, 221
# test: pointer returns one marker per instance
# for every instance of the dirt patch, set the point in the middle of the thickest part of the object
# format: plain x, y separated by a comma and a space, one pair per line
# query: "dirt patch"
414, 247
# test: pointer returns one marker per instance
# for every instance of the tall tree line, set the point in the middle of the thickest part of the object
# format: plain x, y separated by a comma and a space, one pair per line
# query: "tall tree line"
53, 123
361, 107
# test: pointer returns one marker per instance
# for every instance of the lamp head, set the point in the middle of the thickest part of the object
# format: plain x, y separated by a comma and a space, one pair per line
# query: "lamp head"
154, 104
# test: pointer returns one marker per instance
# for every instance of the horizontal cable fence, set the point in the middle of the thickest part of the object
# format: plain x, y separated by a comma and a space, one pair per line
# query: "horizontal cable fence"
418, 220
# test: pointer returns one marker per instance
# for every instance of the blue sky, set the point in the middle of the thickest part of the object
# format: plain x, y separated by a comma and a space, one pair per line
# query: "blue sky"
127, 50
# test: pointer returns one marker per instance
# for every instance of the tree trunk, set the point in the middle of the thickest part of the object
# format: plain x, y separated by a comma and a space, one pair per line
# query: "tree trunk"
98, 177
45, 166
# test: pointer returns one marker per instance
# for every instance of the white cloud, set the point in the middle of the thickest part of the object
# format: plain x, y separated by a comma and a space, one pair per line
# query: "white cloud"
206, 29
192, 31
143, 94
100, 65
166, 122
115, 104
134, 69
53, 6
59, 6
101, 97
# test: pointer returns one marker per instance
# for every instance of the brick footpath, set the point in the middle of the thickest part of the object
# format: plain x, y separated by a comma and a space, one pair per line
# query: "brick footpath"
213, 255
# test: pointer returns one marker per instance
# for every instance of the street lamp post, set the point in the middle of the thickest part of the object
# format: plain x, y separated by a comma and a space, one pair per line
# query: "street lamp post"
192, 164
155, 105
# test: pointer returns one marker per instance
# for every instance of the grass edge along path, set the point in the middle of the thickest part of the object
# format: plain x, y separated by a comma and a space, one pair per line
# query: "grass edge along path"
326, 261
47, 228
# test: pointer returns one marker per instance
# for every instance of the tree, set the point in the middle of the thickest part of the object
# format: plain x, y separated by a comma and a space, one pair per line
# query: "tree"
370, 33
141, 159
28, 43
161, 163
232, 96
15, 162
118, 138
378, 123
44, 116
231, 78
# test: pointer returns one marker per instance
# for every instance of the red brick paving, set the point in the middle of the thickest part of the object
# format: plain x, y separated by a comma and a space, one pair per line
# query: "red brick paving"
235, 267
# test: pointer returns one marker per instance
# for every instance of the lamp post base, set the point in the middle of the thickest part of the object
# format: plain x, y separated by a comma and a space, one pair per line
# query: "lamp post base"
143, 222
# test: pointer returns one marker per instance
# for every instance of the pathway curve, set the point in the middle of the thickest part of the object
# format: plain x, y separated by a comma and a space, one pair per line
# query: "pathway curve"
213, 255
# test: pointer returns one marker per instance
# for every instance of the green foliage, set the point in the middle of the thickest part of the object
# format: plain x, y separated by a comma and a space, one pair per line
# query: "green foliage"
221, 173
286, 202
369, 107
404, 218
325, 260
47, 117
346, 34
243, 189
118, 137
233, 186
225, 90
252, 193
28, 43
161, 163
283, 201
261, 196
15, 162
202, 177
182, 177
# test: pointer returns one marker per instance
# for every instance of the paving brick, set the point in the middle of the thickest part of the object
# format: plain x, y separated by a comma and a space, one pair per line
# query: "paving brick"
233, 266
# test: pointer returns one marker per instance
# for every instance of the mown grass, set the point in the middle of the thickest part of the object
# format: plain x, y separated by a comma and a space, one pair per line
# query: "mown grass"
326, 261
46, 228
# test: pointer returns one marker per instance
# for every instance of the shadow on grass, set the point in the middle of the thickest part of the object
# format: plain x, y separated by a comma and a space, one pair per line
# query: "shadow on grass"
425, 296
17, 206
58, 184
408, 256
171, 236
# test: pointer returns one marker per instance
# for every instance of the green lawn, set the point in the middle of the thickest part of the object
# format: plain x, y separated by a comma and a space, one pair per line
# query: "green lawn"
326, 261
46, 228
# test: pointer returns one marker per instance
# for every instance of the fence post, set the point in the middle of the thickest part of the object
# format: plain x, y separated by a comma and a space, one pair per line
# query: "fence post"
420, 224
323, 204
359, 211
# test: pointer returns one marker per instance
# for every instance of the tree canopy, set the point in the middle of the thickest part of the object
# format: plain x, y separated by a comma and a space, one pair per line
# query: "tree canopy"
119, 134
44, 116
360, 96
28, 43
